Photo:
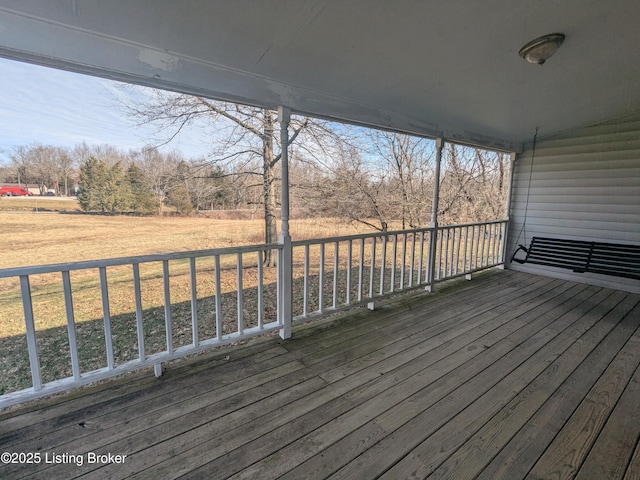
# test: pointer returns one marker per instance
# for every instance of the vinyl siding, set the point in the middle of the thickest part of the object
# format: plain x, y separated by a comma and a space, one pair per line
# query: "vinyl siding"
584, 185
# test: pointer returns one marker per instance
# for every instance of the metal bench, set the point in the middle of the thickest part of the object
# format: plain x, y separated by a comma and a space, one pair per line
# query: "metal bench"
615, 259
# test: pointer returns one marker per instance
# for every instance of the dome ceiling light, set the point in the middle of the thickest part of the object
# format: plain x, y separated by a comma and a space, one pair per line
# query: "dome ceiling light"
539, 50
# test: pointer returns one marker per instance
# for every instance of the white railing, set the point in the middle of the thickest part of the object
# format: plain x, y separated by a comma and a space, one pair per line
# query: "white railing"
340, 272
87, 321
222, 290
465, 249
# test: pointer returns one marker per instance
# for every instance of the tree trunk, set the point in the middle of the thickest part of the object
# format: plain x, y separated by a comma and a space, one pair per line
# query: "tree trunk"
270, 205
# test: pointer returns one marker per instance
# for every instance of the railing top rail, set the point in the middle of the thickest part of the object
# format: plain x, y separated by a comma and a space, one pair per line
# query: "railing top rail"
114, 262
475, 224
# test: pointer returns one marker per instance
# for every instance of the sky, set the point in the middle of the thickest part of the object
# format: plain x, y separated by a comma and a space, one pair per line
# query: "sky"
54, 107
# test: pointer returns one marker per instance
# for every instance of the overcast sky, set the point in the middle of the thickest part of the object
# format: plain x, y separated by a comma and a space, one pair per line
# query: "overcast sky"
53, 107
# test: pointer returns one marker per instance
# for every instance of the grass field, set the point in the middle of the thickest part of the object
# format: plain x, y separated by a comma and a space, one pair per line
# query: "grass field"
37, 239
38, 204
44, 238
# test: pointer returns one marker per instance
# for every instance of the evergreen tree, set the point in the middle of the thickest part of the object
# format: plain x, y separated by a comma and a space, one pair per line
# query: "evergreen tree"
92, 176
118, 196
104, 188
142, 197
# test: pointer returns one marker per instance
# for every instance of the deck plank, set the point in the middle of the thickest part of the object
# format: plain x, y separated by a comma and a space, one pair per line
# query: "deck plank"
614, 447
490, 347
471, 457
514, 460
570, 447
486, 379
476, 410
633, 470
470, 377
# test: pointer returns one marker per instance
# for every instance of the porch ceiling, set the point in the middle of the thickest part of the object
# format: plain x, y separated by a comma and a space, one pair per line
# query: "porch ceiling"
435, 68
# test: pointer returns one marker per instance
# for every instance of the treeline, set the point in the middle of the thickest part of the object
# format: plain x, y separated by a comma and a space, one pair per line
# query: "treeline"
386, 180
107, 179
381, 179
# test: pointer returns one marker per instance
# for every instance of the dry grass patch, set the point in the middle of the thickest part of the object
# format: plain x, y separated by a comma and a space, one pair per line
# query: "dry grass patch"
38, 204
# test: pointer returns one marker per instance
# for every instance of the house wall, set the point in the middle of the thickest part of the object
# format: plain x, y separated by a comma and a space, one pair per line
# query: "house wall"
583, 185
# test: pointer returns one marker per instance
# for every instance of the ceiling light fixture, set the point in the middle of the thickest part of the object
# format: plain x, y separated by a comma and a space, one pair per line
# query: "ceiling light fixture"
539, 50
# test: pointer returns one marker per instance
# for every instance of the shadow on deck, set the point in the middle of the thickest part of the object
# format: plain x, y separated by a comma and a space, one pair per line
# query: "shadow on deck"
508, 376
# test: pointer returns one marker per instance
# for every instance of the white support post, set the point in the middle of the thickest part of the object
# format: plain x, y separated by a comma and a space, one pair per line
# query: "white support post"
433, 236
507, 210
285, 269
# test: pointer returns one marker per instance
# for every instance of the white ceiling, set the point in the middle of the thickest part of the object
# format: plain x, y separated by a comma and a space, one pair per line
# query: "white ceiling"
446, 68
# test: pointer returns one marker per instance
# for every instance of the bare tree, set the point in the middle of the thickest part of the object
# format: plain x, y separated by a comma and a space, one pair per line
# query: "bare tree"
473, 184
242, 135
68, 169
160, 170
38, 163
408, 165
379, 179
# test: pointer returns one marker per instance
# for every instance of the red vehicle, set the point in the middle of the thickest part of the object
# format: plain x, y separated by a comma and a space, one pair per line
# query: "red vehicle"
14, 192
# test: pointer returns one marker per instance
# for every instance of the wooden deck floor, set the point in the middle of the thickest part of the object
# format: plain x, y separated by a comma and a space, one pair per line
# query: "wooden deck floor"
508, 376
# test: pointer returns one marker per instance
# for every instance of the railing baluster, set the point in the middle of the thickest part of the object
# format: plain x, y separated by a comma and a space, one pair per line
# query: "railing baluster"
138, 298
383, 263
497, 238
260, 292
71, 324
394, 261
305, 308
335, 275
447, 254
472, 255
168, 323
428, 273
106, 315
452, 249
435, 235
476, 241
403, 258
361, 270
498, 243
373, 265
492, 244
420, 258
464, 250
279, 306
480, 246
457, 240
218, 298
240, 295
321, 280
484, 246
32, 346
443, 261
349, 254
412, 258
194, 302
